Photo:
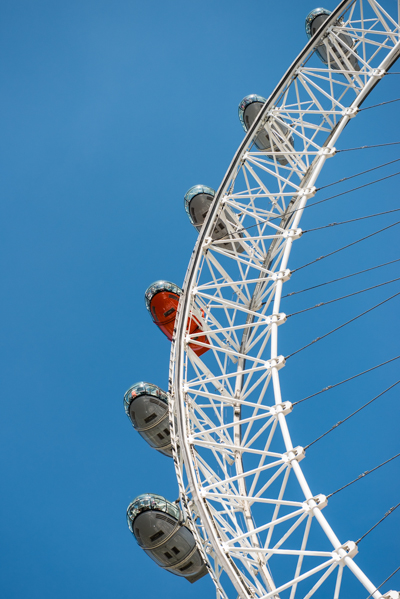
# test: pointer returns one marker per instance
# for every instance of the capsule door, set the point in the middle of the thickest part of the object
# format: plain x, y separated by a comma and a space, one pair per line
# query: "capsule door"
169, 543
163, 308
163, 311
149, 416
279, 131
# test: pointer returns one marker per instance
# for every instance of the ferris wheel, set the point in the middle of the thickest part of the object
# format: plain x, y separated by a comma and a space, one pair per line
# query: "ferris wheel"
248, 517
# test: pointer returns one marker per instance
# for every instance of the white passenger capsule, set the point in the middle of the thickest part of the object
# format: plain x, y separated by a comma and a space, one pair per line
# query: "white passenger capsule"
333, 59
197, 202
146, 406
248, 110
159, 529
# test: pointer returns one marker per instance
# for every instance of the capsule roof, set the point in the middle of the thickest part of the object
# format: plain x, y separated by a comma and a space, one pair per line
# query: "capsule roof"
150, 501
194, 191
244, 103
143, 388
157, 287
312, 15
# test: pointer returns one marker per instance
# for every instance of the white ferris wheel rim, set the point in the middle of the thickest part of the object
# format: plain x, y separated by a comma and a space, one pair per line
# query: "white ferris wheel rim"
193, 493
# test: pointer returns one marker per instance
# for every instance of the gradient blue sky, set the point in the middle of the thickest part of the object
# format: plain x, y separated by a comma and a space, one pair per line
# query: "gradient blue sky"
110, 111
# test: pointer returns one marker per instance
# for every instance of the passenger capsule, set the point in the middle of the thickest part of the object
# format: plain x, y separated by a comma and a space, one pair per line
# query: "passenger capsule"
248, 110
158, 528
146, 406
197, 201
162, 299
313, 22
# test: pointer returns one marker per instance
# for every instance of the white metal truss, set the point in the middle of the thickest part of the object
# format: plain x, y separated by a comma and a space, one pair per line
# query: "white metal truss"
260, 529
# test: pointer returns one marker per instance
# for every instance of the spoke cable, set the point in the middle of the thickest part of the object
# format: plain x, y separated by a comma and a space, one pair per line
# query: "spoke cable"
353, 220
348, 191
350, 416
346, 246
397, 569
392, 143
380, 104
381, 520
342, 297
345, 381
360, 476
358, 174
340, 278
349, 295
342, 325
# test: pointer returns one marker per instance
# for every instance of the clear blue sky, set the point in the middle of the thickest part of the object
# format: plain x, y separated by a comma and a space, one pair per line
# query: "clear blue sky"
110, 111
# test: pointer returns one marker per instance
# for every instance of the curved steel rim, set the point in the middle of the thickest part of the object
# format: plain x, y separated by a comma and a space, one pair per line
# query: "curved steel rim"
177, 350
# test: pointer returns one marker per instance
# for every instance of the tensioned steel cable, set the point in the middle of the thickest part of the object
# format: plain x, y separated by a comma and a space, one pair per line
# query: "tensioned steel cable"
380, 104
397, 569
342, 325
374, 168
360, 476
352, 220
344, 381
341, 278
392, 143
348, 191
381, 520
342, 297
346, 246
351, 415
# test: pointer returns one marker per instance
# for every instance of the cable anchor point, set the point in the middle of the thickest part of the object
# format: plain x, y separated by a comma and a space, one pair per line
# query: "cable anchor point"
350, 112
320, 501
281, 275
348, 549
294, 455
293, 234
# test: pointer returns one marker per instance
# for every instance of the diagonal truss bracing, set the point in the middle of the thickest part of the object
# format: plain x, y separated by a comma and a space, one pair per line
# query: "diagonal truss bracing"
242, 488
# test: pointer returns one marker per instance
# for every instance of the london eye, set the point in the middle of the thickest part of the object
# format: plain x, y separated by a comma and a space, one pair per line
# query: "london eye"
247, 514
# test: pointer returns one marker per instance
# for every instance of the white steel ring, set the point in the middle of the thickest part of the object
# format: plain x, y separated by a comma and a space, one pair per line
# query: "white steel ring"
220, 550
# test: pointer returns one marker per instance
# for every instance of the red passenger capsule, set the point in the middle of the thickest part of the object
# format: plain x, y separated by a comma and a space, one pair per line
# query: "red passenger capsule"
162, 299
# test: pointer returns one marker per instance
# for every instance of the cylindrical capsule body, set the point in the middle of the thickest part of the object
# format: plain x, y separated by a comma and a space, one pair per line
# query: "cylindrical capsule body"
197, 201
157, 526
333, 58
146, 405
162, 299
248, 110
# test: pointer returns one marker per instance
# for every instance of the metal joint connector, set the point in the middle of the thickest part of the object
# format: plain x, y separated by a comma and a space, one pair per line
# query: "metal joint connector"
206, 244
277, 363
278, 319
319, 501
378, 73
328, 152
348, 549
293, 233
391, 595
282, 275
295, 454
307, 192
351, 111
281, 408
